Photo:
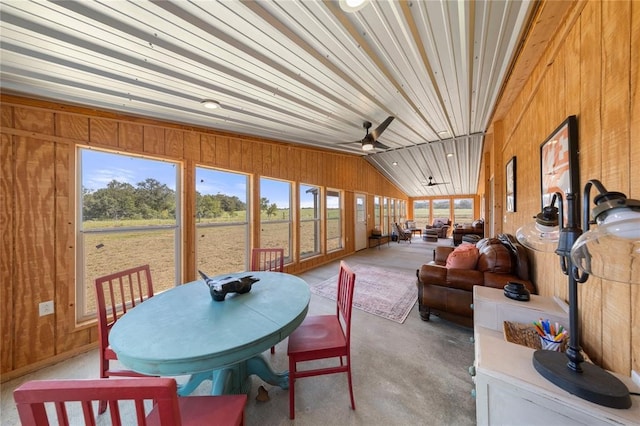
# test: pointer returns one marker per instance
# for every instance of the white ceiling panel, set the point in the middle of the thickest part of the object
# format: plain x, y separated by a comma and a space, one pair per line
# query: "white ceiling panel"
299, 71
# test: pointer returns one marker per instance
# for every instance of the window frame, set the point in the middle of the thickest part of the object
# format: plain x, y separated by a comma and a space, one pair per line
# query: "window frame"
82, 314
316, 219
288, 250
214, 225
340, 209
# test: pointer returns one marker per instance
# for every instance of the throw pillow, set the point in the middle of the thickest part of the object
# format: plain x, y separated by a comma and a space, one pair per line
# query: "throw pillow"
464, 256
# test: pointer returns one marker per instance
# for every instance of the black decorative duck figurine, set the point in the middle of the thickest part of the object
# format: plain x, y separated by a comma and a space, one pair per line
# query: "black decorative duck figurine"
220, 287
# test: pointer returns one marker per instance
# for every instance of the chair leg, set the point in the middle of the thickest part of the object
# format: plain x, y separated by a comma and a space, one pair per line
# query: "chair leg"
353, 403
292, 389
104, 367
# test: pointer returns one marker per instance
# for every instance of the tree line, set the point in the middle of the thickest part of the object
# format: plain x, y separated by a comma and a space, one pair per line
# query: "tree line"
150, 199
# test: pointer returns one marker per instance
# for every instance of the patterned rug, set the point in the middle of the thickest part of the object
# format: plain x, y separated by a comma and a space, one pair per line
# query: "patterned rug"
388, 294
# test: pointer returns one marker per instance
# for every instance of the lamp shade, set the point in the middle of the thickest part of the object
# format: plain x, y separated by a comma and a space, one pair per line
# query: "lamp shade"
544, 233
538, 237
612, 250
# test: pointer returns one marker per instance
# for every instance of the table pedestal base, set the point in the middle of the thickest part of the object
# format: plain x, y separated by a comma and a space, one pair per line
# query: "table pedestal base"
236, 379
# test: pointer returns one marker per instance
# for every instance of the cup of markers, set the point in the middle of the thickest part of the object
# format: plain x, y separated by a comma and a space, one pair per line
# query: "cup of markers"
551, 335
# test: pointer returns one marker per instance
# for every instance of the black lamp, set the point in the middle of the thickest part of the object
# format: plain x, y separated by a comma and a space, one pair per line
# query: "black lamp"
601, 252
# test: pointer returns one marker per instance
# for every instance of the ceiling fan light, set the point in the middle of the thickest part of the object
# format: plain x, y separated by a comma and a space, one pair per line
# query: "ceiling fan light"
367, 146
351, 6
210, 104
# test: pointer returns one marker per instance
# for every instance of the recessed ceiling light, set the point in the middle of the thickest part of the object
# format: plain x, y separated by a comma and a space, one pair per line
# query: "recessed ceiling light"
208, 103
395, 163
351, 6
449, 154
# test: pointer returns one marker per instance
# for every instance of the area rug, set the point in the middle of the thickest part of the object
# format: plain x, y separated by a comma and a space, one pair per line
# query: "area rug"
388, 294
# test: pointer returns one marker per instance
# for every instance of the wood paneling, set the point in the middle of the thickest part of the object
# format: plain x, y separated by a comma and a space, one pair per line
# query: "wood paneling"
616, 308
34, 248
38, 193
587, 69
634, 161
7, 229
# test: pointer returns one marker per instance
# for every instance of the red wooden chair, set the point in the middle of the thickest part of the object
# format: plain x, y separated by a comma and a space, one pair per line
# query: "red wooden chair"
165, 407
115, 294
324, 336
268, 259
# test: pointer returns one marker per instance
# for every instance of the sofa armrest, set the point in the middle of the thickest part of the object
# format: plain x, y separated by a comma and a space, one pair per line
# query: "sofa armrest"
462, 279
440, 255
428, 274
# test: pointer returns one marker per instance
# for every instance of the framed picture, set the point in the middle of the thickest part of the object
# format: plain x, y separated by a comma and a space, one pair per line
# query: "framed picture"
510, 174
559, 162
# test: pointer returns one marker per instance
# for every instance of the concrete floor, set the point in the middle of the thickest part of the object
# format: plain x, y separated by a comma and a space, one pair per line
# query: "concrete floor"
415, 373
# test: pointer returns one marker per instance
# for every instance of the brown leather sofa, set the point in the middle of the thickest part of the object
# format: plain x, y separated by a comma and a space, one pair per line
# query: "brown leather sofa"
476, 228
442, 225
448, 292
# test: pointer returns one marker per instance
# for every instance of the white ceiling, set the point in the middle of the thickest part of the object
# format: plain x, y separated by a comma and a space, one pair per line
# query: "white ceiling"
298, 71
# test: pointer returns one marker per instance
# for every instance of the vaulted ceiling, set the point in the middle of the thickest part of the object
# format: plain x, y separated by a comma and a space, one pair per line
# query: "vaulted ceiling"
304, 72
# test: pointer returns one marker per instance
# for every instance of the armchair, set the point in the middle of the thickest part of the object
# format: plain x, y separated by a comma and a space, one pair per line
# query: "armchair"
442, 225
475, 228
403, 234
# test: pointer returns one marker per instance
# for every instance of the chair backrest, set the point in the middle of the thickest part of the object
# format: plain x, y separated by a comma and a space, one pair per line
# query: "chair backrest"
346, 286
267, 259
118, 292
31, 397
402, 235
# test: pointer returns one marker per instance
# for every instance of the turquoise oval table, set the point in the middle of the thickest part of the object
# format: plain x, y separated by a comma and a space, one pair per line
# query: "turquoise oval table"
183, 331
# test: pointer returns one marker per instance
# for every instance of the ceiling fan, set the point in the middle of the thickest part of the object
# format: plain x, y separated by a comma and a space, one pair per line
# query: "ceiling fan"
370, 140
432, 183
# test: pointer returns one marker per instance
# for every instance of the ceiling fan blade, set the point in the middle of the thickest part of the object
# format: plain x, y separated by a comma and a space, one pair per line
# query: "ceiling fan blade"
380, 146
349, 143
378, 130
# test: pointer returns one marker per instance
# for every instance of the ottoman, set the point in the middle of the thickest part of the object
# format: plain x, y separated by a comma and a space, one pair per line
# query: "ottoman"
471, 238
431, 235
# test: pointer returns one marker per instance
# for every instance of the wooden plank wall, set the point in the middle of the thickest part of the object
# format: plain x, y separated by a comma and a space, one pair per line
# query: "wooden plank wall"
589, 69
38, 143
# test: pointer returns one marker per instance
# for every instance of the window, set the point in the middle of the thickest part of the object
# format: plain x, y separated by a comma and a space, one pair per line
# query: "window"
385, 216
393, 210
441, 209
309, 220
334, 220
403, 210
463, 210
421, 215
275, 215
222, 221
376, 213
129, 216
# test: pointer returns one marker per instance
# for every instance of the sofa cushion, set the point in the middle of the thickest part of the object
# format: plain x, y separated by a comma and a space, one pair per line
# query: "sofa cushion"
494, 257
463, 257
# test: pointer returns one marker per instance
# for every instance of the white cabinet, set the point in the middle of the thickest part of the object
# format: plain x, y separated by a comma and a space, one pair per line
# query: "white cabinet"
509, 391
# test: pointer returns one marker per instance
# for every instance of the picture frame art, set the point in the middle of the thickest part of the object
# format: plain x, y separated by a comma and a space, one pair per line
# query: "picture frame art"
559, 161
510, 174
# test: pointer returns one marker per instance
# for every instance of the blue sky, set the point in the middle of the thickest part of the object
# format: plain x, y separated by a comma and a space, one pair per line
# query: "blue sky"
99, 168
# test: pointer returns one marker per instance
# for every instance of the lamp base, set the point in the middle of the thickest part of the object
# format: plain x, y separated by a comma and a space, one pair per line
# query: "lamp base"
593, 384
